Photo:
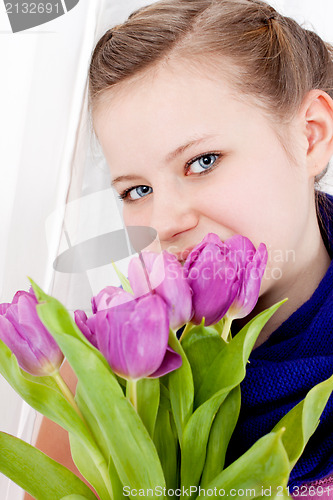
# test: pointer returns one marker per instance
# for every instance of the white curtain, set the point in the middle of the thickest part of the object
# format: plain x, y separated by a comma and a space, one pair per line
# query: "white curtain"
54, 189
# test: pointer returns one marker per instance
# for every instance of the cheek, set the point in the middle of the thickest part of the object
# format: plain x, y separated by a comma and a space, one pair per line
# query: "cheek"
235, 201
128, 219
135, 217
258, 203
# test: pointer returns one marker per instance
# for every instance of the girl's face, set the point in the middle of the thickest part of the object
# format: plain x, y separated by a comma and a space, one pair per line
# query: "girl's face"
188, 158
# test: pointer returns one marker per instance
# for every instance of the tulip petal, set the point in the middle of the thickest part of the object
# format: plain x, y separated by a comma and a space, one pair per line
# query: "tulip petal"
146, 336
19, 294
81, 321
3, 308
212, 300
137, 275
26, 357
8, 333
241, 250
36, 350
171, 361
209, 239
174, 289
22, 317
212, 278
166, 278
108, 297
250, 273
260, 259
157, 264
32, 325
108, 326
133, 336
121, 298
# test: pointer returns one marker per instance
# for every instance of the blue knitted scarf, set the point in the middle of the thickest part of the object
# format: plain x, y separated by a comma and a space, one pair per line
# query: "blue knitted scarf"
297, 356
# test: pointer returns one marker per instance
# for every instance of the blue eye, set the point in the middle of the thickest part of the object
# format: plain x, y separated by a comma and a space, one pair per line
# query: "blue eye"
204, 162
199, 165
136, 192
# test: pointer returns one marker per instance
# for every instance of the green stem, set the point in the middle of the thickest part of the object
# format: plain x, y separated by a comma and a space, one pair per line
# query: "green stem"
226, 328
96, 455
66, 392
219, 326
131, 393
173, 341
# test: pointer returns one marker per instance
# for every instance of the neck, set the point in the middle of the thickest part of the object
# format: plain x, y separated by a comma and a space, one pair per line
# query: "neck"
299, 287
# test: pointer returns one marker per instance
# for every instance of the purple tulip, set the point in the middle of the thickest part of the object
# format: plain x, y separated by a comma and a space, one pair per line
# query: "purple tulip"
23, 332
81, 318
251, 264
110, 296
167, 279
133, 337
212, 278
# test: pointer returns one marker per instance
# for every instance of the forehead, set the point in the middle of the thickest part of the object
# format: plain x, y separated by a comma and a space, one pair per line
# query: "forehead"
160, 109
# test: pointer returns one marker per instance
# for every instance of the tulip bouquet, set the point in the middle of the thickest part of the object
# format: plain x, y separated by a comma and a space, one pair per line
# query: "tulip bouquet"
152, 414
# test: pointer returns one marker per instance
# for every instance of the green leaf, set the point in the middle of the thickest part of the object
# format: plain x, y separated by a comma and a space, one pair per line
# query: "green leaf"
301, 422
123, 430
201, 346
167, 447
225, 373
60, 320
164, 397
264, 465
228, 367
181, 388
195, 438
32, 389
28, 467
92, 422
220, 434
89, 470
123, 280
44, 395
148, 398
116, 485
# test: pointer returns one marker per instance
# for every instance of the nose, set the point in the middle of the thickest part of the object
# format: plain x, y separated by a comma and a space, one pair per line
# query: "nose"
173, 213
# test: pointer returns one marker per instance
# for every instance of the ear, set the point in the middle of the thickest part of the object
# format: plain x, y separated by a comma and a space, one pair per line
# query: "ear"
317, 112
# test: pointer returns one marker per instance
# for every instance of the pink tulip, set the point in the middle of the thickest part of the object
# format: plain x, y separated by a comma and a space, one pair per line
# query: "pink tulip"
110, 296
225, 277
251, 264
133, 337
25, 335
81, 319
212, 278
166, 278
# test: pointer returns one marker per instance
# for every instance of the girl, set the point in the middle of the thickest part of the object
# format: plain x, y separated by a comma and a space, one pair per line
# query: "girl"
217, 116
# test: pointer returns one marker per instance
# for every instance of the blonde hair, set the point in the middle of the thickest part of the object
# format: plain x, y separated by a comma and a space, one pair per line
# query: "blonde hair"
278, 60
273, 59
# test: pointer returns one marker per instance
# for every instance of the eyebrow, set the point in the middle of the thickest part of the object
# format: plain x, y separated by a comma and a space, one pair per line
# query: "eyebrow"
124, 178
171, 156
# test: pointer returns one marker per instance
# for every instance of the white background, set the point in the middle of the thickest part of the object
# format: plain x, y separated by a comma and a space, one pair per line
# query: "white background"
49, 161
